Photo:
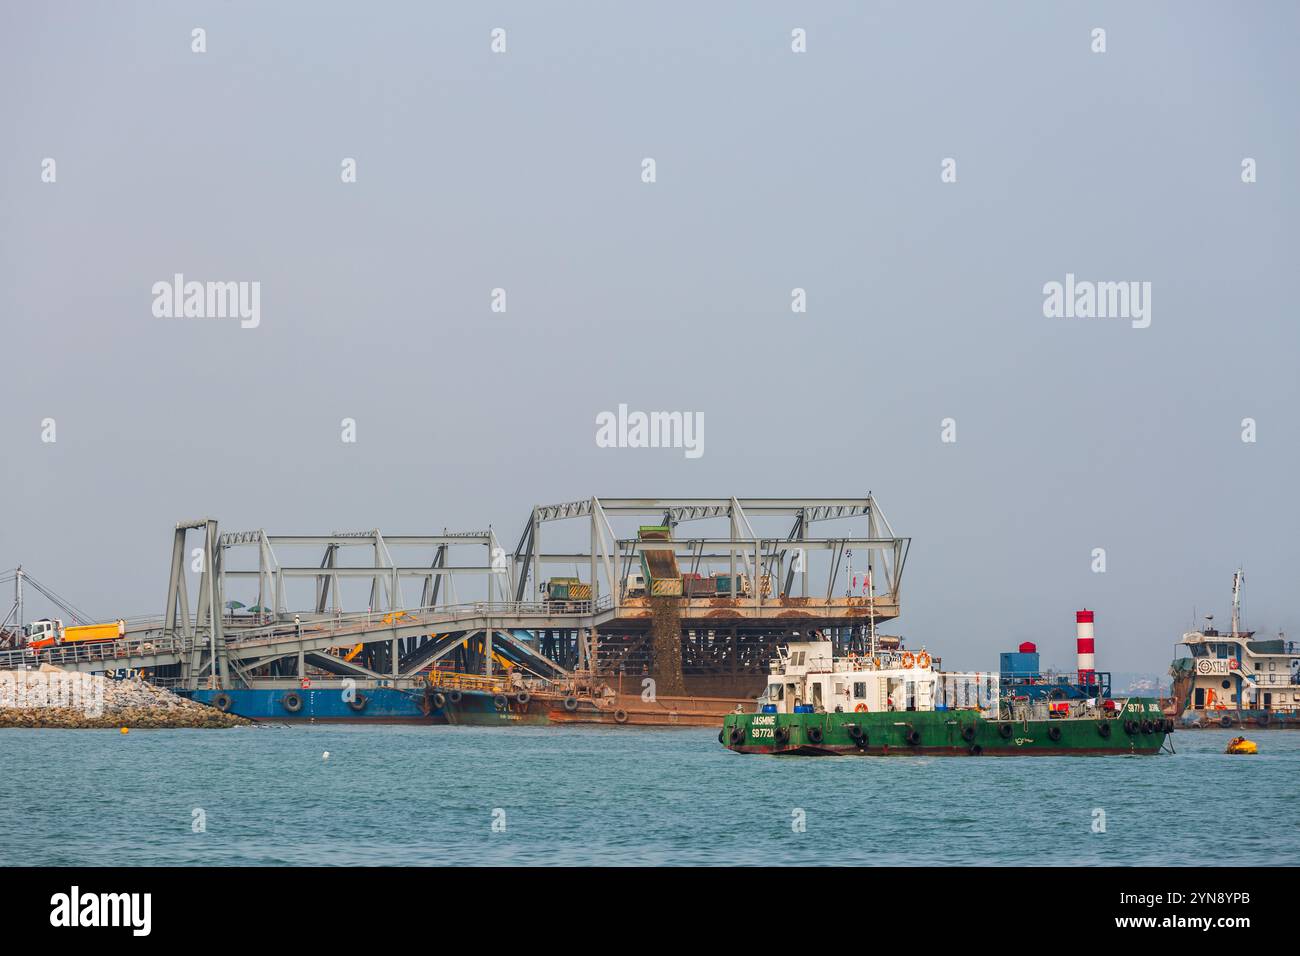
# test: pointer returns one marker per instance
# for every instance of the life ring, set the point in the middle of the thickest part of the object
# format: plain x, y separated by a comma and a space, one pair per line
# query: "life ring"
522, 698
223, 702
1103, 728
620, 716
1004, 731
860, 709
358, 703
737, 736
968, 733
570, 704
923, 660
305, 683
909, 659
453, 697
912, 735
292, 702
815, 735
500, 701
1054, 733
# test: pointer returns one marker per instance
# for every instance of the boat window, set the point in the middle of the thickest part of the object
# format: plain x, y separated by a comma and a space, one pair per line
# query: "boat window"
859, 690
776, 692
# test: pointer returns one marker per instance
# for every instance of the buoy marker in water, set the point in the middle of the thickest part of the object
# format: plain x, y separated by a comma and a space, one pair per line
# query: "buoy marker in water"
126, 730
325, 755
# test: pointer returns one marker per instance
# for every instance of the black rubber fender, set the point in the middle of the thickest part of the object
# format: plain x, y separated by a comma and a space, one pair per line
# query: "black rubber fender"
1263, 720
439, 699
223, 702
500, 701
737, 735
721, 735
781, 735
976, 750
1005, 731
1131, 727
912, 735
522, 698
1103, 728
815, 735
1054, 733
1146, 727
620, 716
968, 733
454, 696
358, 703
570, 704
1225, 721
292, 702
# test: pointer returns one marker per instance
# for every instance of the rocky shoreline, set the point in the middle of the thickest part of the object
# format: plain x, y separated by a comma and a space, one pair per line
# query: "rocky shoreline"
53, 698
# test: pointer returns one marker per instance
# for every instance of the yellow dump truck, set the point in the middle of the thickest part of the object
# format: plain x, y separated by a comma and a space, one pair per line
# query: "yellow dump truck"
49, 632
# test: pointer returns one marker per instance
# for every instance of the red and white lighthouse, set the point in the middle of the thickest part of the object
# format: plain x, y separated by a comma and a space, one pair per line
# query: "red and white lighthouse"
1084, 646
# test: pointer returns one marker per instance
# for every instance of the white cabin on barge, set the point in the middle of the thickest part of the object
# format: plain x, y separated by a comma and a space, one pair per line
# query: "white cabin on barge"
808, 675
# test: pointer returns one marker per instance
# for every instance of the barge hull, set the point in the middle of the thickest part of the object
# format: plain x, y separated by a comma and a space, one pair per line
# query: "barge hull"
378, 705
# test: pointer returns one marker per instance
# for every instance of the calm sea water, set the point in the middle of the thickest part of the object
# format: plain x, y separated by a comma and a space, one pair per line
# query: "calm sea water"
620, 796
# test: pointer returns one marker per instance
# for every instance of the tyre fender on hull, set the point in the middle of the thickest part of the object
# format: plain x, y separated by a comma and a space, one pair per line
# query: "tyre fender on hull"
815, 735
1054, 734
292, 702
737, 736
223, 702
358, 703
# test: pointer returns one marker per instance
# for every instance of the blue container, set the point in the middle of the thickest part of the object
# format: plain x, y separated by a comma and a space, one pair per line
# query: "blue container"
769, 708
803, 708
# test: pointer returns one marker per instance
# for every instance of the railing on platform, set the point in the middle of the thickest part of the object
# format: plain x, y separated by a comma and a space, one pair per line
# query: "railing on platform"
343, 626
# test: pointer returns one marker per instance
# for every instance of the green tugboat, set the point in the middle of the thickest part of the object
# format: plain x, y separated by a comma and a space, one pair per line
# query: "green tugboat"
900, 703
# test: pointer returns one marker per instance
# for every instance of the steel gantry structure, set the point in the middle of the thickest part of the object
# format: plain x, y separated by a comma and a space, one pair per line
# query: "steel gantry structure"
299, 624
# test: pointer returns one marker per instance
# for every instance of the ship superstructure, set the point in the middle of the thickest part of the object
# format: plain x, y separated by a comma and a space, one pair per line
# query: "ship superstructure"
1233, 678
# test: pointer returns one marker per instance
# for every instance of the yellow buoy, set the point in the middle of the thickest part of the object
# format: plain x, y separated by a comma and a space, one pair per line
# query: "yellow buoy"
1240, 745
126, 730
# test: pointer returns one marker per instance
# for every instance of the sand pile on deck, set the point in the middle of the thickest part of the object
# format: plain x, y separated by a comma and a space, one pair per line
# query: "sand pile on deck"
54, 698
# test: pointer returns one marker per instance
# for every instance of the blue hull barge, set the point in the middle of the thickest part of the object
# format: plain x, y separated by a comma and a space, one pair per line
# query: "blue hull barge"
378, 704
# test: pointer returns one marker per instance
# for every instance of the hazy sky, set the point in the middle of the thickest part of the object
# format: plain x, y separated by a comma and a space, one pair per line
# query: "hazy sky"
775, 170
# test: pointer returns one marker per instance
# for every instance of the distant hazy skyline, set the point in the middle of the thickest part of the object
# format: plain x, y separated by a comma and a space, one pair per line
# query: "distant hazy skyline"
774, 171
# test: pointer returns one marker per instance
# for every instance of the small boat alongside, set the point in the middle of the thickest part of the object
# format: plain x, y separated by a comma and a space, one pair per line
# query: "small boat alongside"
900, 703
